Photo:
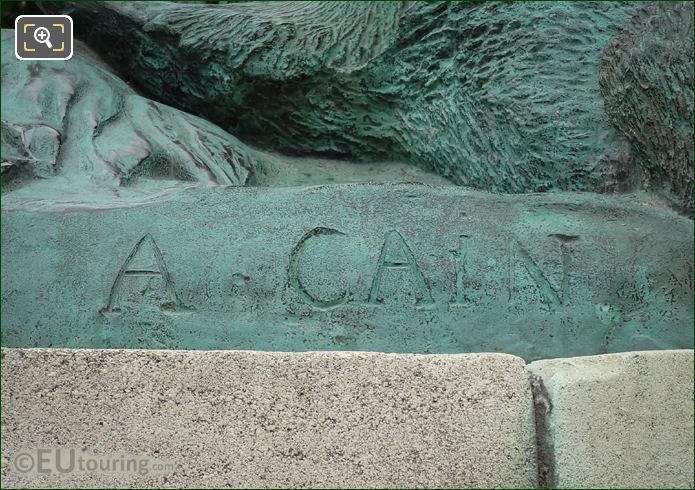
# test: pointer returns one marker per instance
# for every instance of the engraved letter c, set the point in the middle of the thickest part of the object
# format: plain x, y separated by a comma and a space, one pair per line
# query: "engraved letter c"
293, 272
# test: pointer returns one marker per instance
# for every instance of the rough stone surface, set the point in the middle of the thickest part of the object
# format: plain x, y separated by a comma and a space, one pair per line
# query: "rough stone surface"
646, 77
620, 420
500, 97
252, 419
391, 268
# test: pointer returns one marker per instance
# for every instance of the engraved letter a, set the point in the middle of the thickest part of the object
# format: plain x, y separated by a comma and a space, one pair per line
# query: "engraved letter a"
172, 303
389, 259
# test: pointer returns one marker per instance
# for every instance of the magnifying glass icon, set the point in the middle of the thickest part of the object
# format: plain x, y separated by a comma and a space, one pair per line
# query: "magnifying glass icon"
43, 36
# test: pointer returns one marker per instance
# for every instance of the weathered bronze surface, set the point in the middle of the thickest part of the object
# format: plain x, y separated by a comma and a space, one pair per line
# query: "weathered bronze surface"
394, 268
131, 219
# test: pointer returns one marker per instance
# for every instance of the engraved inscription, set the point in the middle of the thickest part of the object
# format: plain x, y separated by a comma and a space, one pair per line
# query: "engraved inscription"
396, 254
551, 295
293, 272
172, 303
397, 270
460, 255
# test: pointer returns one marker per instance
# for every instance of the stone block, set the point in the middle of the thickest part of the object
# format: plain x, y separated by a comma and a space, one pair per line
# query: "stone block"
270, 419
619, 420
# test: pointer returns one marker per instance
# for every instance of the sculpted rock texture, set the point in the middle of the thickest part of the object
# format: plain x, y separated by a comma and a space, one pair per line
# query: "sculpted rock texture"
77, 121
73, 132
501, 97
646, 79
394, 268
619, 420
269, 419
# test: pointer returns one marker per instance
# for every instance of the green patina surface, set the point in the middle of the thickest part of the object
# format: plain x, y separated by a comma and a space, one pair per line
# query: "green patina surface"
393, 267
509, 97
114, 234
73, 132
